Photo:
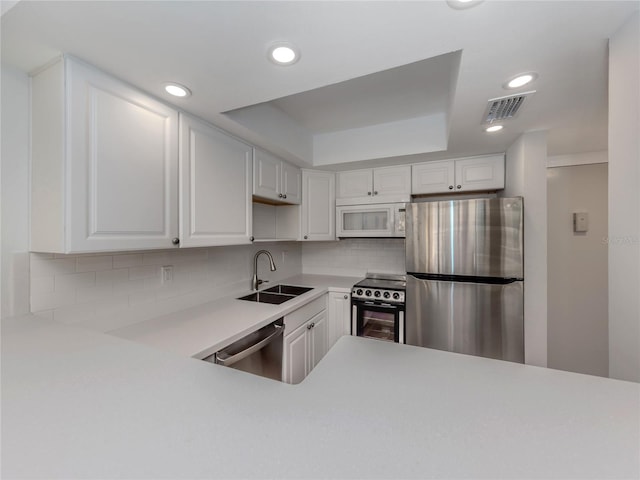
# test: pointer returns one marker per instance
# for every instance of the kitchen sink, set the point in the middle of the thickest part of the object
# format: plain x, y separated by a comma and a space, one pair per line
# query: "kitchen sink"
276, 295
262, 297
288, 290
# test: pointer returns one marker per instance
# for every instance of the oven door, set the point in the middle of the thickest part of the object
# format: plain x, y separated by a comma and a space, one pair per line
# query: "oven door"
377, 320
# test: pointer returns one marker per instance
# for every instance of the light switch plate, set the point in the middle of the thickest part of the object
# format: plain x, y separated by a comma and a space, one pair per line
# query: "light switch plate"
580, 222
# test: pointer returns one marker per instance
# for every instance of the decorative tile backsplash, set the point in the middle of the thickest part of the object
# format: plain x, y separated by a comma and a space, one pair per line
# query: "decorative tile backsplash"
354, 256
106, 292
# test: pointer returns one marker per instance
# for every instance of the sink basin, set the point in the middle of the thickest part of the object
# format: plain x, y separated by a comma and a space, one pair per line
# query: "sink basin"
276, 295
262, 297
288, 290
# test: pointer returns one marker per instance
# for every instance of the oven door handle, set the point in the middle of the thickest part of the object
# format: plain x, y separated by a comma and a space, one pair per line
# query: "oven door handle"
223, 358
384, 305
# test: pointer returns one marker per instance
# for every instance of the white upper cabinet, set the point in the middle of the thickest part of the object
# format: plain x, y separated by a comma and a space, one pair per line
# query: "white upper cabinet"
104, 164
376, 185
275, 179
215, 186
318, 207
483, 173
111, 171
354, 186
433, 177
461, 175
291, 183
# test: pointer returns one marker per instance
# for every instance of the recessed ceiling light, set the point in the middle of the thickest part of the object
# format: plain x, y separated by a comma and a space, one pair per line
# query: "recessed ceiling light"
521, 80
462, 4
493, 128
283, 54
177, 90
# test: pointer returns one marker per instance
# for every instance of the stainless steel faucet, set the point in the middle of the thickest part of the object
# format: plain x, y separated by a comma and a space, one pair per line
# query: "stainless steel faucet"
256, 282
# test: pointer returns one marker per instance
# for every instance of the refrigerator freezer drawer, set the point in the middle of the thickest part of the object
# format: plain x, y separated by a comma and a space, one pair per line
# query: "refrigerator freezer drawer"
480, 319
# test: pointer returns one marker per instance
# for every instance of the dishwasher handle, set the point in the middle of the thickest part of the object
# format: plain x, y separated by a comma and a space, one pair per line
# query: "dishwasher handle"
267, 335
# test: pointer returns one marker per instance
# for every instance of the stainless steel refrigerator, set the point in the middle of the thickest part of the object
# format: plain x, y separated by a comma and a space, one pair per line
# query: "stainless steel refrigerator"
465, 285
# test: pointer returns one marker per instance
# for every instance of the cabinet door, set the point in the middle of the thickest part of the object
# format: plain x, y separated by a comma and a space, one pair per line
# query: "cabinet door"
215, 181
295, 362
318, 206
482, 173
291, 184
122, 177
354, 187
318, 338
433, 177
267, 175
392, 184
339, 316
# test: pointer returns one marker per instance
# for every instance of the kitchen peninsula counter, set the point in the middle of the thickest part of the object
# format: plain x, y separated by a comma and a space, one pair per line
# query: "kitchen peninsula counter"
204, 329
82, 404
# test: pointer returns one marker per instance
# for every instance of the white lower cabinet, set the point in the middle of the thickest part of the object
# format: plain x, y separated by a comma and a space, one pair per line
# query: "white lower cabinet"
304, 348
296, 356
306, 340
339, 316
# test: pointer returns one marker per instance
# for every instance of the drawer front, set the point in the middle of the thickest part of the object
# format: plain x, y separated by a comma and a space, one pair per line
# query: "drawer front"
303, 314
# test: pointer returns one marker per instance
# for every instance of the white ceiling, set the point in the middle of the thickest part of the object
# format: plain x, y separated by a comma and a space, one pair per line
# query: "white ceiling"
218, 49
414, 90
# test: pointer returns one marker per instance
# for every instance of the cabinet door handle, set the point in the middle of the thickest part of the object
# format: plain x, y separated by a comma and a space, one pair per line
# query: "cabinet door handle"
310, 326
346, 297
251, 239
279, 195
284, 196
450, 187
306, 237
458, 187
175, 241
368, 193
375, 193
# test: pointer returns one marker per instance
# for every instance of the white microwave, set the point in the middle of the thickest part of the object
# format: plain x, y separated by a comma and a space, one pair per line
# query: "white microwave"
379, 220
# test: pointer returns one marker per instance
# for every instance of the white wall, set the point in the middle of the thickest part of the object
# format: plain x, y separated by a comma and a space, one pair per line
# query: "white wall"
526, 176
354, 257
404, 137
14, 192
578, 338
624, 202
108, 291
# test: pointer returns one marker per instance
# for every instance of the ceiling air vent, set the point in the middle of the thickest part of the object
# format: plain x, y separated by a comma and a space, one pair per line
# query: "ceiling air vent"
504, 108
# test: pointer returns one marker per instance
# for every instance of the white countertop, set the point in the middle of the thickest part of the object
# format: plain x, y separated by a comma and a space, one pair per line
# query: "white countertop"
81, 404
202, 330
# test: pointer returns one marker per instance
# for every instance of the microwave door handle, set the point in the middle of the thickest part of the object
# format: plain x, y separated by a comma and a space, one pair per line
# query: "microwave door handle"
223, 359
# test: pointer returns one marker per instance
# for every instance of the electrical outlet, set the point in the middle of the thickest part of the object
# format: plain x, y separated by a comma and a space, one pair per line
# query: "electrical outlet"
167, 274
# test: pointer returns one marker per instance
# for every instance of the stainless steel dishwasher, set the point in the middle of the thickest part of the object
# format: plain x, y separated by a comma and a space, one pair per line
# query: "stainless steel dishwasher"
259, 352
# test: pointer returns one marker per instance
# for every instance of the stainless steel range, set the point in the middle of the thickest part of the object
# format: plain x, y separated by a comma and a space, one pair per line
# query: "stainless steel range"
377, 307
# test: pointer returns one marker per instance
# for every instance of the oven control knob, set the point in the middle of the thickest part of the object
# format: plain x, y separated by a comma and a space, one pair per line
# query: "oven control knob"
386, 295
396, 296
376, 294
368, 293
359, 291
